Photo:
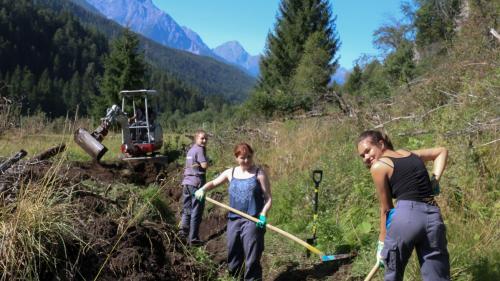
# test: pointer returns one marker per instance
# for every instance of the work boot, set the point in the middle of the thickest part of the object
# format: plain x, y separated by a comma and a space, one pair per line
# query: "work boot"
197, 243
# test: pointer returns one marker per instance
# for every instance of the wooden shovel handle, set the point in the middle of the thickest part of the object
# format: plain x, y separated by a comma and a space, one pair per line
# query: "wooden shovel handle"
269, 226
372, 272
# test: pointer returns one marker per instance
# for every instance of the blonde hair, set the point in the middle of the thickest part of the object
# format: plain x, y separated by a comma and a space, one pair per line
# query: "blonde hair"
199, 132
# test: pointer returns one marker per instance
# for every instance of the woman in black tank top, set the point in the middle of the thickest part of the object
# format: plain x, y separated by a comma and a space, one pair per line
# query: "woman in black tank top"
416, 221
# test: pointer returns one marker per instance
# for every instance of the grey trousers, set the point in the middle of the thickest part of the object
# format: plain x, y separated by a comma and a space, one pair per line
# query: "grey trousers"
416, 225
192, 212
245, 242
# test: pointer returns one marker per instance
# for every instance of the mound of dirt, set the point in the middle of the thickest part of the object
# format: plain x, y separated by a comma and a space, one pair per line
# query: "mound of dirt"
146, 251
108, 248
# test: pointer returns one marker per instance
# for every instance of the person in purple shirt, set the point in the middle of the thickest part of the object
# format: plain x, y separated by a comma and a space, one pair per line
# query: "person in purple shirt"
194, 178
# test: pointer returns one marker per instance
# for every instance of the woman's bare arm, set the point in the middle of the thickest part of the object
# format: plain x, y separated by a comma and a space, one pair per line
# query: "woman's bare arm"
222, 178
379, 173
266, 188
439, 155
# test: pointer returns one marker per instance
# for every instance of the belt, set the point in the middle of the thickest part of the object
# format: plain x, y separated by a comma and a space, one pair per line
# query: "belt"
430, 200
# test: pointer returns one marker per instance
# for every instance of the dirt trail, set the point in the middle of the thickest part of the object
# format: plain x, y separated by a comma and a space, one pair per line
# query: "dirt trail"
212, 230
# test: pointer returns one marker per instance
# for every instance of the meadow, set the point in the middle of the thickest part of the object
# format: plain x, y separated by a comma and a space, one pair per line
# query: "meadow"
454, 104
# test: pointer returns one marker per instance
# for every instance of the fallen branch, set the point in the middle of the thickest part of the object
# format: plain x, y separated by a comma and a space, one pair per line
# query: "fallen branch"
415, 133
488, 143
476, 63
4, 166
395, 119
51, 152
475, 128
413, 116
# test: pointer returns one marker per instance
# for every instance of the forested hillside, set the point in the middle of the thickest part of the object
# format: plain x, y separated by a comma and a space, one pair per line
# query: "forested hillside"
54, 63
48, 60
207, 75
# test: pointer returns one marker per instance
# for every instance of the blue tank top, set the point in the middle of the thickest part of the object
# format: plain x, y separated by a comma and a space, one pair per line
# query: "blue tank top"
246, 195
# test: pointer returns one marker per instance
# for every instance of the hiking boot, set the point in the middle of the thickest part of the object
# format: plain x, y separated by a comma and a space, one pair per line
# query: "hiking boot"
197, 243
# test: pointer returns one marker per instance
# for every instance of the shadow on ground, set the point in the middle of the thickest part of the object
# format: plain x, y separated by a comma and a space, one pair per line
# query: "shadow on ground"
317, 272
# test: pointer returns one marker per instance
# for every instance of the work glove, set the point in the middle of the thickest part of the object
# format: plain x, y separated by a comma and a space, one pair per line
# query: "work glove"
380, 260
262, 221
436, 189
200, 194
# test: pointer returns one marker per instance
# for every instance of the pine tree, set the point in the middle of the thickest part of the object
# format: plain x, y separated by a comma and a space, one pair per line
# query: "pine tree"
298, 20
374, 81
435, 20
124, 68
399, 65
354, 82
314, 70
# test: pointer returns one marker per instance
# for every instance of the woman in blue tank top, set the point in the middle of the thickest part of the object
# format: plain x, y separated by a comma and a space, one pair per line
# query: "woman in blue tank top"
249, 192
416, 220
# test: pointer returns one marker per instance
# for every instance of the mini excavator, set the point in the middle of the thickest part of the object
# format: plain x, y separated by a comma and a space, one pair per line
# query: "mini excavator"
142, 135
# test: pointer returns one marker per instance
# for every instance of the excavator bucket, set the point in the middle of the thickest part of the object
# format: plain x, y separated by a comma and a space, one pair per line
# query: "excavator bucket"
89, 144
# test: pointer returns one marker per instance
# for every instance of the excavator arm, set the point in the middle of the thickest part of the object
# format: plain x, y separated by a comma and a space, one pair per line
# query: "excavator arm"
92, 142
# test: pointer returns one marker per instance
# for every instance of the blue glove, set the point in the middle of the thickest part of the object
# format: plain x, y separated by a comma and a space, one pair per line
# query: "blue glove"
380, 246
262, 221
200, 194
436, 189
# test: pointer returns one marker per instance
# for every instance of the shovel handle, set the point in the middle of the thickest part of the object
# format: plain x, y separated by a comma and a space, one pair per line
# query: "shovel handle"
269, 226
317, 177
372, 272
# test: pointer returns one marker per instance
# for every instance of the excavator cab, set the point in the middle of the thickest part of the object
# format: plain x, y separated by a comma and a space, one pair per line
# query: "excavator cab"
142, 135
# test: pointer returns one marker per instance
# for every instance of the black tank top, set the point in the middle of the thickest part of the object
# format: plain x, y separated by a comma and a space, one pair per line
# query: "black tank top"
410, 180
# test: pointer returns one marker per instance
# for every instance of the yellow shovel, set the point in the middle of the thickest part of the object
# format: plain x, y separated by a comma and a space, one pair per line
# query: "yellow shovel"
372, 272
324, 258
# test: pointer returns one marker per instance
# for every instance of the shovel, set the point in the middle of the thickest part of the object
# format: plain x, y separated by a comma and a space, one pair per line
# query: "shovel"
317, 176
372, 272
324, 258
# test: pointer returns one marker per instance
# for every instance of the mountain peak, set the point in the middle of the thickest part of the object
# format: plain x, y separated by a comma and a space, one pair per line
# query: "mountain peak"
234, 53
231, 51
233, 44
142, 16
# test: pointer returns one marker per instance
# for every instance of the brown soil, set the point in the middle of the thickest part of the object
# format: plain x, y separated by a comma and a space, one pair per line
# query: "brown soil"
150, 250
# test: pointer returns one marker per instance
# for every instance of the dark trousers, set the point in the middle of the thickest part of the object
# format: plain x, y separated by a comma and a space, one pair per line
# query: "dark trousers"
416, 225
192, 212
245, 243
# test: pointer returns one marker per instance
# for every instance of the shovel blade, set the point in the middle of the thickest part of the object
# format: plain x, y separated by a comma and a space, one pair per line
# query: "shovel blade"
327, 258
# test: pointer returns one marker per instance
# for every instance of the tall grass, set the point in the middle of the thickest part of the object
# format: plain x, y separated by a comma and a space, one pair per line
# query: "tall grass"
34, 229
455, 105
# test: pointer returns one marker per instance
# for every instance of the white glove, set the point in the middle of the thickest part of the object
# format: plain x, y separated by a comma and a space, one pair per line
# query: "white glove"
380, 246
200, 194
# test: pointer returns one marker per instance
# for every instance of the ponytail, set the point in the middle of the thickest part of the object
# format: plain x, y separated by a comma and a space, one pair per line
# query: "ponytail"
376, 137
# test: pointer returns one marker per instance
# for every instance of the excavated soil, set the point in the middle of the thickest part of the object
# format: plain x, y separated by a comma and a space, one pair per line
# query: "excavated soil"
150, 250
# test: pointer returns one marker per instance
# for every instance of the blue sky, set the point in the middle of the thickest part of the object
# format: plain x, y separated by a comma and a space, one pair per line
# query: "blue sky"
249, 21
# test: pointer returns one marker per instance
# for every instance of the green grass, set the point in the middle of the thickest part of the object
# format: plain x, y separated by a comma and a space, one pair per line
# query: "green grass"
348, 212
35, 229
